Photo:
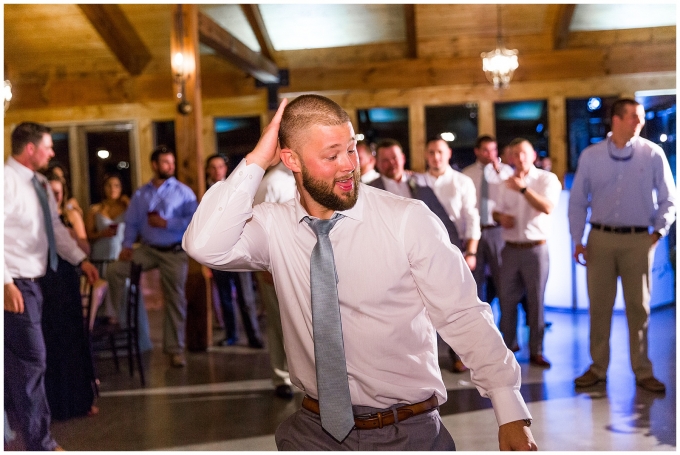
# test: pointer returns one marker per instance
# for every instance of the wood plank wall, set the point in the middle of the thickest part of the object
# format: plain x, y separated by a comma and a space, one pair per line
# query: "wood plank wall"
142, 115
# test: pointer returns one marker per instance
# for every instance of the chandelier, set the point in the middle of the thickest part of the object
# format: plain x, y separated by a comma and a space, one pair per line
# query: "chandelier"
499, 64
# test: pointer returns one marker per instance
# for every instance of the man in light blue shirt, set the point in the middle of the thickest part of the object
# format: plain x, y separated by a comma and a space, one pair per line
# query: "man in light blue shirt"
158, 215
627, 183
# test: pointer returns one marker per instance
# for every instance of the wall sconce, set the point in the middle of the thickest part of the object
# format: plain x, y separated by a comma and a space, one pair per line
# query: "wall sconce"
181, 67
179, 71
7, 94
500, 64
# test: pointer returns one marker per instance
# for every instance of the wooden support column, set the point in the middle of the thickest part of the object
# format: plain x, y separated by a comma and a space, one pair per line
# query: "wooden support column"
486, 118
189, 143
416, 120
557, 120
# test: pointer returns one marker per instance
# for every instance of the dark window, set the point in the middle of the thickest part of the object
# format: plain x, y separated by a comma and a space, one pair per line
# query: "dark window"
163, 134
117, 144
660, 126
236, 137
61, 156
459, 121
525, 119
386, 123
587, 124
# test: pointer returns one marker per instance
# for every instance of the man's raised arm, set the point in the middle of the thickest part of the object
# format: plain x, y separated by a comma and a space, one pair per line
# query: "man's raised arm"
218, 235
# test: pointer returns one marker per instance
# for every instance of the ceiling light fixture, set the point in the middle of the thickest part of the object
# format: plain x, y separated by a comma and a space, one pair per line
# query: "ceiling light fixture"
499, 64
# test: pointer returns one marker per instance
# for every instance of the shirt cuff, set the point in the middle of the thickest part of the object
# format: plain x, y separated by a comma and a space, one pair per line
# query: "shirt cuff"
508, 405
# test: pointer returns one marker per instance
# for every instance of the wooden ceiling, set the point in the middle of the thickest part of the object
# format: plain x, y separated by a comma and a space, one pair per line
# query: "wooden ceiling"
70, 55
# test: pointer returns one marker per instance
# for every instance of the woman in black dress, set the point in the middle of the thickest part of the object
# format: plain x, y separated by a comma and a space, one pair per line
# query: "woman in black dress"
69, 377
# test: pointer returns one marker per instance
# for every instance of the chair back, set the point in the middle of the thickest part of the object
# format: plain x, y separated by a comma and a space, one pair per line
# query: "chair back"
133, 290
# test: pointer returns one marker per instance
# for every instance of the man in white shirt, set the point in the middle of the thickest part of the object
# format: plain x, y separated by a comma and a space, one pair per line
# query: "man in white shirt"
523, 207
277, 186
487, 173
31, 245
397, 275
456, 193
390, 161
366, 162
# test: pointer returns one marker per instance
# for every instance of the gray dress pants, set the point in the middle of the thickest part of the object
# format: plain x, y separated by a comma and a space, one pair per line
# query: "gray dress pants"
524, 270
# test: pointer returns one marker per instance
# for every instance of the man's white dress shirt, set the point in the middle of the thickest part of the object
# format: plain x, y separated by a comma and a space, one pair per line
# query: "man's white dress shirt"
278, 185
400, 281
494, 179
456, 193
399, 188
26, 242
530, 224
370, 176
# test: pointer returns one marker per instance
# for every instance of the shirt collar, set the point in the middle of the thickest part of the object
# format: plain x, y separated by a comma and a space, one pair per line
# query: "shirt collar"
24, 172
533, 172
356, 212
168, 182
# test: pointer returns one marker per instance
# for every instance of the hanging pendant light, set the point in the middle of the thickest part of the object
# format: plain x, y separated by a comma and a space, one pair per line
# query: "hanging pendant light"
500, 64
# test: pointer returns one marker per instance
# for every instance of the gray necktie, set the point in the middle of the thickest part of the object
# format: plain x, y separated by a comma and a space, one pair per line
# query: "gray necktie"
484, 200
42, 197
331, 369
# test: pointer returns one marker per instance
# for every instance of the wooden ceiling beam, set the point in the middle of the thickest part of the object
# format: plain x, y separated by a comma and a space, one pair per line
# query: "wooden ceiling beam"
252, 12
561, 27
119, 35
228, 47
411, 39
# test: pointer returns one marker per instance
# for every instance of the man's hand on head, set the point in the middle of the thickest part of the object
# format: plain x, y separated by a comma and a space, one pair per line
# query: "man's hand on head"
267, 152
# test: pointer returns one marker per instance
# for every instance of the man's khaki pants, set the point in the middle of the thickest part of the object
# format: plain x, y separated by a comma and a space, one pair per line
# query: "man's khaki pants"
629, 256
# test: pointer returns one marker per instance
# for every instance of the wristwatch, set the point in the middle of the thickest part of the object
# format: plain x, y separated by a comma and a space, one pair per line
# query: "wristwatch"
523, 190
527, 422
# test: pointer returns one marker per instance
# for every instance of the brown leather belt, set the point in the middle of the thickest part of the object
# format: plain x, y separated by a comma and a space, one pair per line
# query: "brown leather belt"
525, 244
380, 419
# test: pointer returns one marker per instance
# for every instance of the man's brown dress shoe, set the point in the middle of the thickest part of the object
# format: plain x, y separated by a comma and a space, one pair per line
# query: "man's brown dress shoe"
539, 361
588, 379
651, 384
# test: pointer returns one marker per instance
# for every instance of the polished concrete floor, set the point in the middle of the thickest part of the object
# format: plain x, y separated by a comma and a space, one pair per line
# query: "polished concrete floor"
223, 399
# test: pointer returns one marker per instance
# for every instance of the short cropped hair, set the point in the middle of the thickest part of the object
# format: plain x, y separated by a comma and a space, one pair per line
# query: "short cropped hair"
519, 140
223, 157
369, 147
25, 133
305, 111
481, 140
619, 107
388, 143
161, 150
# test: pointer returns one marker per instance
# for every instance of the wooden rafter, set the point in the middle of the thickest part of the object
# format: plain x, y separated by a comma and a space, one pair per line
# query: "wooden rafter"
252, 12
561, 27
119, 35
410, 19
228, 47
